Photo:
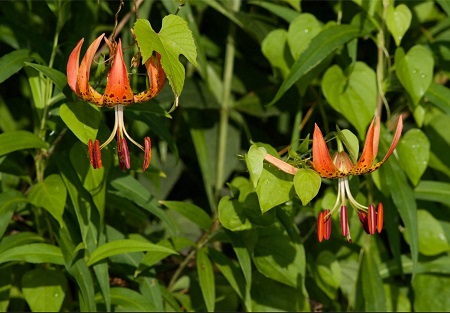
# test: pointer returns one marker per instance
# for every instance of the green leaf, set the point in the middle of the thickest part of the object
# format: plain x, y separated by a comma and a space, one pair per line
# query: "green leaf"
20, 140
255, 160
82, 119
414, 152
279, 10
44, 290
132, 189
190, 211
58, 78
327, 273
94, 180
307, 184
403, 197
50, 194
431, 293
440, 96
10, 200
19, 239
445, 5
351, 143
372, 285
174, 243
414, 70
323, 45
272, 296
33, 253
353, 95
273, 47
173, 39
432, 240
433, 191
239, 241
232, 215
128, 300
5, 288
300, 33
398, 21
274, 187
230, 270
206, 279
278, 257
12, 62
78, 269
124, 246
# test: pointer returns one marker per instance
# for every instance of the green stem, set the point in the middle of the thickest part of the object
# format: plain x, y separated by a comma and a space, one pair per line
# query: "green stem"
226, 103
296, 129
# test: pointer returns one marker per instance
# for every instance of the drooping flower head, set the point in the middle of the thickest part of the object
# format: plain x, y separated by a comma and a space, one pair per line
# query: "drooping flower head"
341, 167
117, 94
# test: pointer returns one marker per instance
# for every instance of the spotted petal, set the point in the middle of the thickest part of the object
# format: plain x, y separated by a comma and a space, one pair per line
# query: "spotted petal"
156, 77
322, 162
394, 143
370, 149
118, 89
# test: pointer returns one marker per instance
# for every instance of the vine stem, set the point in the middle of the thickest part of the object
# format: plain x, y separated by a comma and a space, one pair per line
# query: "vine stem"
226, 102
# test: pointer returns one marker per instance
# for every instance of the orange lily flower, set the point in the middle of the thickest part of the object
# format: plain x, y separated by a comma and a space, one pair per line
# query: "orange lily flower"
340, 166
117, 94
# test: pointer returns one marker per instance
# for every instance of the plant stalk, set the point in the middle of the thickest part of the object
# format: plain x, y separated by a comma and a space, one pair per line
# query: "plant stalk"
226, 102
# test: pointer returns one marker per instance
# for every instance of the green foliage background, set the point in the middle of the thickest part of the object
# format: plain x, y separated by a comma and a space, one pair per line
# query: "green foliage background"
190, 233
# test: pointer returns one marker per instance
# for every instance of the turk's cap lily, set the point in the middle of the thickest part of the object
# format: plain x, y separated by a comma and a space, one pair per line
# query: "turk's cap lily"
341, 165
117, 95
118, 89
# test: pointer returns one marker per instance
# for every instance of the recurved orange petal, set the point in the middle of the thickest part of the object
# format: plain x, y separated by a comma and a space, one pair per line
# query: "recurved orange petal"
368, 155
73, 65
156, 77
321, 159
118, 89
83, 89
398, 133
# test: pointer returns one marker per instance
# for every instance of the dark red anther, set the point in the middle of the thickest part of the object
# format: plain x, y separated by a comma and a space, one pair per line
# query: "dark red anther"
327, 228
147, 153
380, 216
344, 220
320, 226
123, 153
363, 219
371, 219
95, 156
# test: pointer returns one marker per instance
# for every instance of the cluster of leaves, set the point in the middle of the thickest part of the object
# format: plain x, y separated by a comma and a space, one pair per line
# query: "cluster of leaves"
211, 225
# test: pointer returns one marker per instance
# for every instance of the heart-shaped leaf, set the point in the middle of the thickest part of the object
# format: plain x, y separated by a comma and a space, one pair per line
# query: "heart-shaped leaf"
273, 47
414, 152
306, 184
50, 194
274, 187
173, 39
353, 95
398, 21
254, 160
304, 28
414, 70
432, 240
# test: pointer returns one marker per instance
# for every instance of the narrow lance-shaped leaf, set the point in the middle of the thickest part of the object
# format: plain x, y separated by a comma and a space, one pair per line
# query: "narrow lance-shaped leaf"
20, 140
124, 246
206, 279
320, 47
